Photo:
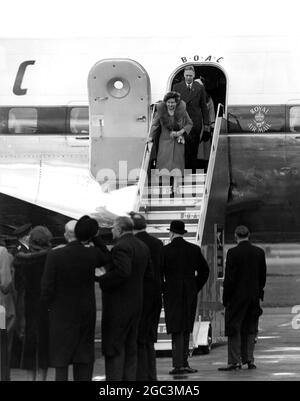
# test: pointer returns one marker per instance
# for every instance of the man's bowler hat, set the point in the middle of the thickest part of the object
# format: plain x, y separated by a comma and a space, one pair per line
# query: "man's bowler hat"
177, 227
22, 230
86, 228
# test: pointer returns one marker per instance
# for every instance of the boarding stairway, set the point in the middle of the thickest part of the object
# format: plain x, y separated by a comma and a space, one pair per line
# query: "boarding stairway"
189, 204
159, 208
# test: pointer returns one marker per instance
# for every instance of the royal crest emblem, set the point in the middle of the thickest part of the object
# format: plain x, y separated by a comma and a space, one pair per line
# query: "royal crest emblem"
259, 122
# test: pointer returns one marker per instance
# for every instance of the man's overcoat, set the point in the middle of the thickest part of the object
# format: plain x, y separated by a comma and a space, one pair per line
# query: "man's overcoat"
185, 273
245, 278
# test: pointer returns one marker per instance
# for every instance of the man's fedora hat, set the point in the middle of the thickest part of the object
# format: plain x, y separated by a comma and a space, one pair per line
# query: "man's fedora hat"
177, 227
22, 230
86, 228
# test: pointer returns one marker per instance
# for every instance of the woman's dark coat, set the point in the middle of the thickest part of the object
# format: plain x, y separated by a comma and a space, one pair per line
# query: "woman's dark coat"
181, 262
122, 292
68, 287
245, 278
35, 347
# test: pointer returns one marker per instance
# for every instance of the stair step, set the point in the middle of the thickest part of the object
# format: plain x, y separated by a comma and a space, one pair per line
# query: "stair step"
186, 179
168, 215
169, 202
158, 222
163, 228
161, 234
192, 178
167, 240
144, 208
166, 190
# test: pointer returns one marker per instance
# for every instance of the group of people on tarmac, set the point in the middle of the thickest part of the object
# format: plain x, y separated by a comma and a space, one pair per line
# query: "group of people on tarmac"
182, 128
51, 291
49, 296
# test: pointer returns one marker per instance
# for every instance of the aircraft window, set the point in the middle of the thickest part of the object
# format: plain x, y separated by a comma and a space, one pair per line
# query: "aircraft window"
118, 84
52, 120
79, 120
118, 87
22, 120
294, 119
3, 120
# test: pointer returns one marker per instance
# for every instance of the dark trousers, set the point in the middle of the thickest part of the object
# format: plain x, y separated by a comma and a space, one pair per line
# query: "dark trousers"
146, 363
123, 366
81, 372
191, 149
180, 349
241, 348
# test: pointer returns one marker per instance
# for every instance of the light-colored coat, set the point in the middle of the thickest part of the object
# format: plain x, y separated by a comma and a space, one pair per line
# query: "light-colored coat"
7, 293
170, 155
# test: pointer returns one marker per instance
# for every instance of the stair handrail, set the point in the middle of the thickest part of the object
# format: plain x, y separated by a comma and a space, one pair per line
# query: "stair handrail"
145, 165
209, 174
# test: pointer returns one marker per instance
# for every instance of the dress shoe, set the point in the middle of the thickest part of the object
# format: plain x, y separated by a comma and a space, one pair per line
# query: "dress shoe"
188, 369
177, 371
250, 365
230, 367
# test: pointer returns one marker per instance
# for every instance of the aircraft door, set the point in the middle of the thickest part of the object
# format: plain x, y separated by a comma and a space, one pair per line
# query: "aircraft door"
119, 98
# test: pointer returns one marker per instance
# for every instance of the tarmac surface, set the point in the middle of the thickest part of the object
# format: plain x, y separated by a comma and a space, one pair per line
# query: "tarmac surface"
277, 355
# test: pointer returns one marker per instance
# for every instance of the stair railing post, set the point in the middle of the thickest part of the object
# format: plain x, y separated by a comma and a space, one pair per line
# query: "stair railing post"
3, 346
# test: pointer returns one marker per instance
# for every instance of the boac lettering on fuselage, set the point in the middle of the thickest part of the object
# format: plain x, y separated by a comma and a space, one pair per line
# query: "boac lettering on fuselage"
17, 90
197, 58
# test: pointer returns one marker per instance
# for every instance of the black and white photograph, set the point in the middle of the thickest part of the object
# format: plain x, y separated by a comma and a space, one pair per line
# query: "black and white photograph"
149, 193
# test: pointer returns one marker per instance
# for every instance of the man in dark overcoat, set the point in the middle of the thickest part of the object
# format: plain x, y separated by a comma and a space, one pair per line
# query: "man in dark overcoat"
122, 300
244, 282
194, 95
68, 287
22, 245
152, 303
185, 272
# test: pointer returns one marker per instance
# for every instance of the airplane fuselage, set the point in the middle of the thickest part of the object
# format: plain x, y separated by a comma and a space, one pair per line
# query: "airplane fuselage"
44, 130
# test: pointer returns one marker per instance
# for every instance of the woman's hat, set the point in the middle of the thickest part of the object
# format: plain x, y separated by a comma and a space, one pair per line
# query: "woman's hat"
86, 228
22, 230
139, 221
177, 226
40, 238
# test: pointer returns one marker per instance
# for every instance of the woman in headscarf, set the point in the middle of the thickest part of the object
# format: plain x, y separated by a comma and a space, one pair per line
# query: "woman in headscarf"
172, 123
35, 348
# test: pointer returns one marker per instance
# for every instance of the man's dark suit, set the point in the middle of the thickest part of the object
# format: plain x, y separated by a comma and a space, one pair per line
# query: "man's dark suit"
147, 335
245, 278
182, 261
122, 299
68, 287
196, 107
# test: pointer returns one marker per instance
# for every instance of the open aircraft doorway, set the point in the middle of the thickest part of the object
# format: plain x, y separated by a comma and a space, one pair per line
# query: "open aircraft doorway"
216, 82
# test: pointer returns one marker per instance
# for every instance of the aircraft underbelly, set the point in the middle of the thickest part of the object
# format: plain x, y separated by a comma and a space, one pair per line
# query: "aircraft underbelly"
56, 176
